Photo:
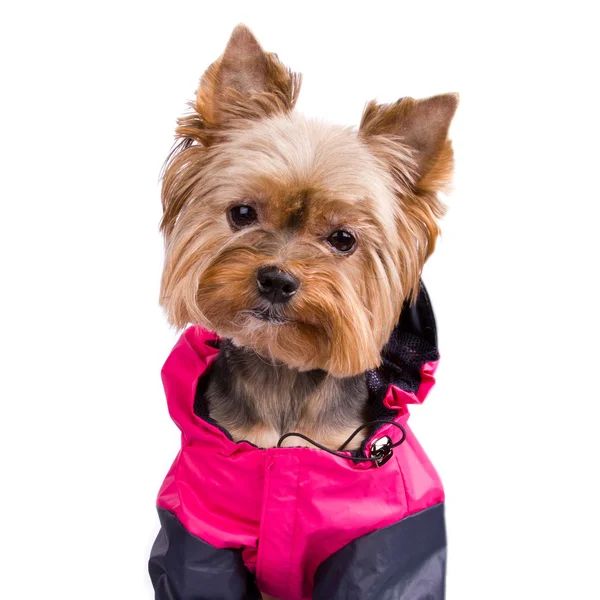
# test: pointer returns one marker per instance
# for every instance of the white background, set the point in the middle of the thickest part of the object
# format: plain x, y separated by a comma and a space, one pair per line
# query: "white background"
90, 94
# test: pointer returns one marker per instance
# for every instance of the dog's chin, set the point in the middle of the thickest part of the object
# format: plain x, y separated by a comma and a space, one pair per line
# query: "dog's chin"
275, 335
268, 316
300, 341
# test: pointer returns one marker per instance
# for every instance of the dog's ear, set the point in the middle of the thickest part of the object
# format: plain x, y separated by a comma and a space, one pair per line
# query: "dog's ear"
422, 127
245, 82
410, 138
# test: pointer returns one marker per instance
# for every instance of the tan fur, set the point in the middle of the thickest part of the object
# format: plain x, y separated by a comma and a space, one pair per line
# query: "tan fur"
348, 305
243, 144
243, 83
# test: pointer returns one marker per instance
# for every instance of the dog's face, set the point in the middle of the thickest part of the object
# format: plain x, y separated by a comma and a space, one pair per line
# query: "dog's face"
299, 239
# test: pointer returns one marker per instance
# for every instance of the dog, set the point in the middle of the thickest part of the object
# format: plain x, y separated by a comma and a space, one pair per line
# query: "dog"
300, 245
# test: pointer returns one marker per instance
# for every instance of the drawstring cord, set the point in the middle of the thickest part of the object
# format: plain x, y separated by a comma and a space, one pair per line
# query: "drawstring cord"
379, 454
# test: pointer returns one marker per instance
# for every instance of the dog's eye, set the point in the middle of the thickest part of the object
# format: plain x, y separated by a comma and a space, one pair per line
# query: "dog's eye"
242, 216
342, 241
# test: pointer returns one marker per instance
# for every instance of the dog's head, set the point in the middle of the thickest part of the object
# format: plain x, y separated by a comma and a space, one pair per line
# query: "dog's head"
296, 238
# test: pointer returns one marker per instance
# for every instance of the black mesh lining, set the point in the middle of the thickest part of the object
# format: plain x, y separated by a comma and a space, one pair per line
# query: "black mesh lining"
401, 367
412, 344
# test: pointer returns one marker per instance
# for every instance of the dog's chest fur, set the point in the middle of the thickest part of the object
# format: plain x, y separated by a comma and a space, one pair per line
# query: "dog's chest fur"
259, 401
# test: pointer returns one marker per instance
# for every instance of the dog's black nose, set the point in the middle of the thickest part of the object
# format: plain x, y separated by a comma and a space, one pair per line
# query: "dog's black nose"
276, 285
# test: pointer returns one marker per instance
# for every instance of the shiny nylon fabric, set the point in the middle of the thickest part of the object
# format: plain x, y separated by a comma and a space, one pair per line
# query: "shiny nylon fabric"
405, 561
184, 567
286, 510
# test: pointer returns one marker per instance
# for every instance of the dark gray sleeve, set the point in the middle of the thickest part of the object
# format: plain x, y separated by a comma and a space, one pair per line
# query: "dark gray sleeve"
405, 561
184, 567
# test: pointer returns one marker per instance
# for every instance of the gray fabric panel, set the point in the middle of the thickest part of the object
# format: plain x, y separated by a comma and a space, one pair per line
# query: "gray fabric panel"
184, 567
405, 561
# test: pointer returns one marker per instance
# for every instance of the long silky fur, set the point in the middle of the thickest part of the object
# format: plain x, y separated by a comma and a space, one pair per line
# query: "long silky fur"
243, 143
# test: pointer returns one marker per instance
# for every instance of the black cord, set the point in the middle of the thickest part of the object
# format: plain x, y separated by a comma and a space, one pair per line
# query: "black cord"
357, 431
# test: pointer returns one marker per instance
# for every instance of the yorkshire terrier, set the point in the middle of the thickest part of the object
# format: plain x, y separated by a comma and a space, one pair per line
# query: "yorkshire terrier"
298, 243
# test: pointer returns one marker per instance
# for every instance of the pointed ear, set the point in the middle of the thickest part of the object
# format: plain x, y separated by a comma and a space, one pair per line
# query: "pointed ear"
245, 83
420, 125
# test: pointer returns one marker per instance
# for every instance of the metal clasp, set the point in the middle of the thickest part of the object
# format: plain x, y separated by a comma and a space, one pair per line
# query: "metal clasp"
381, 449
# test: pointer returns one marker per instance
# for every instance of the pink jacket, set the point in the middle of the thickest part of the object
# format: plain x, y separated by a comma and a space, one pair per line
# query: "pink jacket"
300, 523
